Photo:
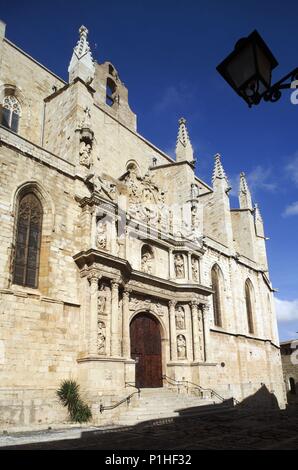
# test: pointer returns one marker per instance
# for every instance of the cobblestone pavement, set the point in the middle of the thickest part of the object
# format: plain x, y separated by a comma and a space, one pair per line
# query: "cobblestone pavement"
233, 429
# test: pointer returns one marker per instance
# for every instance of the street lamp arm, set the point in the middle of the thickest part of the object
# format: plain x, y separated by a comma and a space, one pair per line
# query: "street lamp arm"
274, 92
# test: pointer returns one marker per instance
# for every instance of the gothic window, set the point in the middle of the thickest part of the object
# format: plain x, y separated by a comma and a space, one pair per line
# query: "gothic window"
111, 92
249, 305
215, 280
10, 113
28, 238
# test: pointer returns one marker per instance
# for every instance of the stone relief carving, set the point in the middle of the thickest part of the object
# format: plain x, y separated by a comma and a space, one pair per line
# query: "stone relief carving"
86, 139
101, 337
180, 318
179, 266
194, 217
146, 262
195, 269
146, 304
101, 300
181, 347
146, 201
86, 121
101, 235
100, 185
85, 154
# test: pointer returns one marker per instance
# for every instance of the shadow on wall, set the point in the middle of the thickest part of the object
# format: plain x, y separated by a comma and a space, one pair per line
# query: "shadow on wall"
261, 399
292, 391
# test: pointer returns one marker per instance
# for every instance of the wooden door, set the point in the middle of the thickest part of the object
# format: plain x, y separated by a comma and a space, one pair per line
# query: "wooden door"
145, 343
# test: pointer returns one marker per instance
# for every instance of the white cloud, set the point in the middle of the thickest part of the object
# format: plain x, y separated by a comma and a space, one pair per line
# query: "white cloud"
292, 209
174, 97
259, 178
292, 168
286, 310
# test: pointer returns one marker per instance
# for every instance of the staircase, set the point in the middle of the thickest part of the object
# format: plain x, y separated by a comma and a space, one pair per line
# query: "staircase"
158, 404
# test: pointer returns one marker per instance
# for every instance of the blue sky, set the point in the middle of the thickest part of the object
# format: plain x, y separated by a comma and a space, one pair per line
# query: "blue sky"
166, 53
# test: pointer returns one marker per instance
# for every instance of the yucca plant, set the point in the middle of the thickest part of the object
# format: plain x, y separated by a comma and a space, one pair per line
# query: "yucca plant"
69, 396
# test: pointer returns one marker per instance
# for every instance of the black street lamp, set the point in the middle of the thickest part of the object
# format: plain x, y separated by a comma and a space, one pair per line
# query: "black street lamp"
248, 71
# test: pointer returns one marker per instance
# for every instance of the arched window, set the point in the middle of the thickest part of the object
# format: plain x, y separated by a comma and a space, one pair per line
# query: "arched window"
28, 238
10, 113
249, 305
215, 281
111, 93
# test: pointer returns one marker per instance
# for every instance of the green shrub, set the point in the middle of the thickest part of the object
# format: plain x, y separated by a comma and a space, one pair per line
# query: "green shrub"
69, 396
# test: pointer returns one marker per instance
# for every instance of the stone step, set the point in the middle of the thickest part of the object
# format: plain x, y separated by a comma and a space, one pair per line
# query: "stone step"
177, 404
158, 404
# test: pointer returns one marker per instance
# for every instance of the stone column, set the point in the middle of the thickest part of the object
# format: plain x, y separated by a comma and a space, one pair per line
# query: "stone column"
195, 331
171, 264
172, 318
205, 309
93, 228
125, 324
93, 316
189, 266
115, 318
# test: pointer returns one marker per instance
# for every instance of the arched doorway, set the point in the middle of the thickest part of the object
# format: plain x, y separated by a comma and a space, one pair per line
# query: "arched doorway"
292, 386
145, 341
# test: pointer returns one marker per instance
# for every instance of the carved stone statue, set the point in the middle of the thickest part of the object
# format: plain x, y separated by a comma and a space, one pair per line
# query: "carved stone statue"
180, 318
85, 154
101, 337
179, 266
181, 347
194, 192
101, 235
194, 217
146, 263
195, 269
101, 300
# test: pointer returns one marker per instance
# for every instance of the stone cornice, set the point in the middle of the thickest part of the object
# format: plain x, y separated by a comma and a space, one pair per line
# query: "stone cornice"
33, 60
136, 280
241, 335
237, 257
23, 146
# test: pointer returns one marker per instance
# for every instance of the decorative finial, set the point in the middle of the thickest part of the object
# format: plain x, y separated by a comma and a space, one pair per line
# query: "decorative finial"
218, 170
184, 150
82, 64
245, 200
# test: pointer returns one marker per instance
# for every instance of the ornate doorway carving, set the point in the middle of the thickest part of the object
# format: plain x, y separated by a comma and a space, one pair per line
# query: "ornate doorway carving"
145, 340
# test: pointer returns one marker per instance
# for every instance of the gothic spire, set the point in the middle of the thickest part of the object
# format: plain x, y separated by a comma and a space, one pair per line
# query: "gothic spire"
219, 172
245, 200
81, 64
258, 221
184, 150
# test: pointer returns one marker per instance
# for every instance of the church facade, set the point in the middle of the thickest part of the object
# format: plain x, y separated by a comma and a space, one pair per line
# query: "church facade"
118, 265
